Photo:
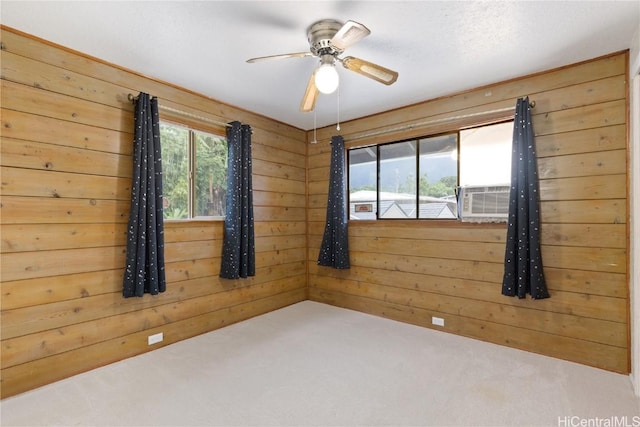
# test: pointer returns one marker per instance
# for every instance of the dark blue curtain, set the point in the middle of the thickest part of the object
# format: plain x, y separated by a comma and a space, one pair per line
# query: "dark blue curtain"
144, 272
334, 251
523, 261
238, 247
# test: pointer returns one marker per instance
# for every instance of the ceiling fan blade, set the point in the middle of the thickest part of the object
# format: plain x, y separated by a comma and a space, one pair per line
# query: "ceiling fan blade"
369, 69
285, 55
350, 33
310, 95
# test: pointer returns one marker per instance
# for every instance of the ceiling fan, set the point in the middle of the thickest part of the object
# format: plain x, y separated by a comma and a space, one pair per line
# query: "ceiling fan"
328, 39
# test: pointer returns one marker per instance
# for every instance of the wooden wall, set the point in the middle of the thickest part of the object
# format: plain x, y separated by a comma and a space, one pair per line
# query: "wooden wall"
413, 270
66, 174
66, 167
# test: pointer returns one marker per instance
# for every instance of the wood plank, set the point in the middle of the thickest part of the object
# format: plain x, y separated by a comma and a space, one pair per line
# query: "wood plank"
42, 237
587, 117
319, 173
318, 201
49, 289
51, 210
581, 94
268, 213
582, 141
578, 165
587, 282
609, 211
284, 228
584, 188
612, 260
277, 155
41, 156
268, 183
275, 198
37, 101
585, 235
29, 265
284, 256
182, 231
44, 183
261, 167
190, 250
285, 139
422, 231
276, 243
319, 188
36, 128
472, 251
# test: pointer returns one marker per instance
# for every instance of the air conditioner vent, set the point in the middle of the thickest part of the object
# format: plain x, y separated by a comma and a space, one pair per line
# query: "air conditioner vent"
484, 202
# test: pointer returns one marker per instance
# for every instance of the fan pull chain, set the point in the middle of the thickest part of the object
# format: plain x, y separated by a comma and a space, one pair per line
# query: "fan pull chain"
338, 126
315, 140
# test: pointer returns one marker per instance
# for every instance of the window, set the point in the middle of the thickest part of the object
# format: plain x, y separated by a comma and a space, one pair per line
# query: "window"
194, 172
485, 155
418, 178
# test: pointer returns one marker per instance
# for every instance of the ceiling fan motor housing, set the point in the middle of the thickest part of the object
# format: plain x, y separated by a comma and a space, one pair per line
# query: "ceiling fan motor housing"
320, 34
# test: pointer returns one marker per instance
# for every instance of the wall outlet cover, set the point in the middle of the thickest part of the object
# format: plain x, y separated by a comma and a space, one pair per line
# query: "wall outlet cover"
154, 339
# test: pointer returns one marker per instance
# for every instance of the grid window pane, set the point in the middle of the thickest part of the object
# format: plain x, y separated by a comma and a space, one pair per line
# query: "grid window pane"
438, 177
211, 175
485, 155
362, 183
397, 182
175, 171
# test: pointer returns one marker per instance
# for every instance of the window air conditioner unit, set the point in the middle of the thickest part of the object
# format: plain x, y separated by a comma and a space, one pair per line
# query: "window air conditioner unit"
484, 202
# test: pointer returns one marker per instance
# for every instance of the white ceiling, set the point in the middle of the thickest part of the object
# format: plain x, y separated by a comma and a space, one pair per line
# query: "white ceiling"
437, 47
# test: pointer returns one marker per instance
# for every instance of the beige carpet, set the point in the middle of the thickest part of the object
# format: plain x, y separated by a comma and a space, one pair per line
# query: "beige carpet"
313, 364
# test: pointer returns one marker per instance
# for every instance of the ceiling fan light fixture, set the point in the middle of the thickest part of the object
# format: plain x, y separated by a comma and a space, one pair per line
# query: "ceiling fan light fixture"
328, 39
326, 78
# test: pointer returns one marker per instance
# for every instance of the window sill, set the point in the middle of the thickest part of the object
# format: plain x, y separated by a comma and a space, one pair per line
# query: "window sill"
428, 223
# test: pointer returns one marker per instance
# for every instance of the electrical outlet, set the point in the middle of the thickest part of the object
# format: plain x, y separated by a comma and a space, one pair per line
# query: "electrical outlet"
439, 321
154, 339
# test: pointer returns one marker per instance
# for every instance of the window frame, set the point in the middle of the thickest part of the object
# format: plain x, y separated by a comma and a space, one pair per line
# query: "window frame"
453, 130
192, 128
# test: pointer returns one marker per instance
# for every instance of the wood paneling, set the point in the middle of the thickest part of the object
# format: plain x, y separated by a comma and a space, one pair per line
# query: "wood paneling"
67, 137
413, 270
66, 169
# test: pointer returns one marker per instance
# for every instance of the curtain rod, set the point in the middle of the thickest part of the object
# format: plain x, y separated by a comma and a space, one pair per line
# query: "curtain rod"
532, 104
132, 98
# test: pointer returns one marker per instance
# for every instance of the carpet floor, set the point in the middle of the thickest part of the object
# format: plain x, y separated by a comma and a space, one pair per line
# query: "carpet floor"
312, 364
